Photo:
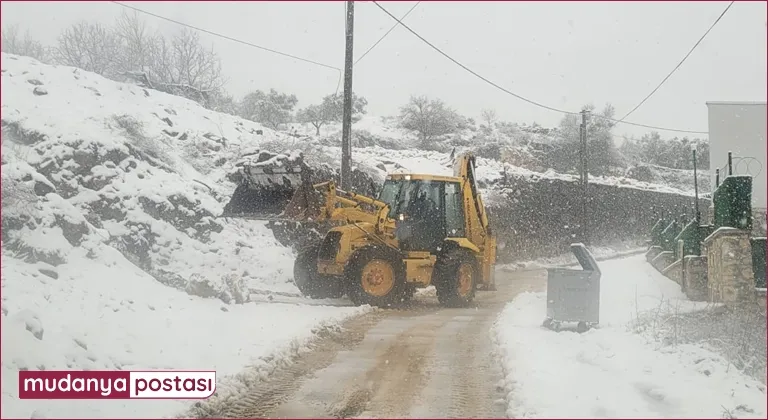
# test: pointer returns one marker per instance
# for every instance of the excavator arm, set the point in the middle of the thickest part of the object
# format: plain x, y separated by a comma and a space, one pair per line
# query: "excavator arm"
479, 233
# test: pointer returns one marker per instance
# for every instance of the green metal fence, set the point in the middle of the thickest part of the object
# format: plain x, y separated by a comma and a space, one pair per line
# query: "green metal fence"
668, 236
733, 202
692, 235
656, 230
758, 261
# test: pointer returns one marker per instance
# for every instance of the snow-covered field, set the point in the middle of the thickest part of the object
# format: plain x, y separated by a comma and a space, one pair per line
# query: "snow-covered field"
618, 370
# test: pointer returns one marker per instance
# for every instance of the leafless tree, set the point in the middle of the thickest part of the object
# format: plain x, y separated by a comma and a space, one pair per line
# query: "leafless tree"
14, 43
138, 46
184, 61
90, 46
428, 118
489, 117
180, 65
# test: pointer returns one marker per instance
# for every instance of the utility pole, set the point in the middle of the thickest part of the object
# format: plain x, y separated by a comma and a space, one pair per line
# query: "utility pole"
584, 178
346, 123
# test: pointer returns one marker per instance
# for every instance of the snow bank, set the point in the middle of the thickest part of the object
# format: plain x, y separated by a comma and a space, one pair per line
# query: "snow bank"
611, 372
98, 311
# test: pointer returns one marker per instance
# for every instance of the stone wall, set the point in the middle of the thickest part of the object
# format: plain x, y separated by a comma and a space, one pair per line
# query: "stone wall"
674, 272
663, 260
538, 218
730, 278
695, 281
652, 253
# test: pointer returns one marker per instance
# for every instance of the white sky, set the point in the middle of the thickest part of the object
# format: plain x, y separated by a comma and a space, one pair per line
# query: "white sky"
563, 54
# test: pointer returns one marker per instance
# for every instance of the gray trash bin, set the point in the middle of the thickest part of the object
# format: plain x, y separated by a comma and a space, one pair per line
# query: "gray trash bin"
574, 295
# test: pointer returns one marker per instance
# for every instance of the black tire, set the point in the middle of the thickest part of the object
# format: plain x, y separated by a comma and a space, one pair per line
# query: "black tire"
582, 327
447, 277
311, 283
353, 277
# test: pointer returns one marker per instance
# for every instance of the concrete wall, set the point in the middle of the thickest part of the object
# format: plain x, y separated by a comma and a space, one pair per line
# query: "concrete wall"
538, 219
740, 127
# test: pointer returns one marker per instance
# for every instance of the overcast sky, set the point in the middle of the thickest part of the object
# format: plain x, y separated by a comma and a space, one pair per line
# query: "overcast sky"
562, 54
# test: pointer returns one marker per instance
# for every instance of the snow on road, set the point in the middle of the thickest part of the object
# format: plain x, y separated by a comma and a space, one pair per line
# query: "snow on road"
101, 312
611, 372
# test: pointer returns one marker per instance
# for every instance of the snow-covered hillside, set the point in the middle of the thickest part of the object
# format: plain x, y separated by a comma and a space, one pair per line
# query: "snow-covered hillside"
110, 196
380, 147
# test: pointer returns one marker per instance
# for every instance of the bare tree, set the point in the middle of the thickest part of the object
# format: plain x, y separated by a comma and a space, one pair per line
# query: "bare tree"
14, 43
89, 46
428, 118
489, 117
138, 46
184, 61
180, 65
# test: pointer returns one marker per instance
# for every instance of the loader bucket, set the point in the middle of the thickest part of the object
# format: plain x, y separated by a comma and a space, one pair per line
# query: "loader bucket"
267, 184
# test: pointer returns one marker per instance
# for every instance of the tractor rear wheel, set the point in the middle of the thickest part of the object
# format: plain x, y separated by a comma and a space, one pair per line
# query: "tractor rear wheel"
310, 282
456, 277
375, 276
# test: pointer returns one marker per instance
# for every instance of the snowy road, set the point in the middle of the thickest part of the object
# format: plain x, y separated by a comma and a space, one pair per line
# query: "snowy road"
423, 361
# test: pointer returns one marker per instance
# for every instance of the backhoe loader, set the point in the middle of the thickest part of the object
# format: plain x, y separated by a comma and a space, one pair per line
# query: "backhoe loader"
421, 230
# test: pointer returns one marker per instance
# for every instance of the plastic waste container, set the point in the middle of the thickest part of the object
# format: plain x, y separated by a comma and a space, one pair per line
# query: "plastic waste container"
574, 295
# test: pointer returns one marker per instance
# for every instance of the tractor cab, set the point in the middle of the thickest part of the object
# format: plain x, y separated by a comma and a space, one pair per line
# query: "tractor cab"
426, 209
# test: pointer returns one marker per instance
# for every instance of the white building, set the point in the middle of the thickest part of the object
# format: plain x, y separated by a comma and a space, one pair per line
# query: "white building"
740, 128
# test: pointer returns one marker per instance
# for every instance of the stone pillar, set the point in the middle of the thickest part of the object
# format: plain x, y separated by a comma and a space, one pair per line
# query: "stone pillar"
729, 276
696, 278
759, 225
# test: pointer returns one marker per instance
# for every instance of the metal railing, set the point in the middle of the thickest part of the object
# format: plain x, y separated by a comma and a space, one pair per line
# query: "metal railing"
739, 165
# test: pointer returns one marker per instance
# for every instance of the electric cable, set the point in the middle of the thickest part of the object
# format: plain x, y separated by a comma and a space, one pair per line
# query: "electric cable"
678, 64
240, 41
514, 94
385, 35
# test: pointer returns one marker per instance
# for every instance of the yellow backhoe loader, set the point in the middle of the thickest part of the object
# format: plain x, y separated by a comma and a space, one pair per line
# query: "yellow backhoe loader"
421, 230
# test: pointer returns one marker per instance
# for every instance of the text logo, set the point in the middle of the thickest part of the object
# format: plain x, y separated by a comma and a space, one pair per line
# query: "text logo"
95, 384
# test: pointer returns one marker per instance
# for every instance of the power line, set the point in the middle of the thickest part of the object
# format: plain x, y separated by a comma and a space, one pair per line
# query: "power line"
653, 127
469, 70
385, 35
516, 95
240, 41
680, 63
